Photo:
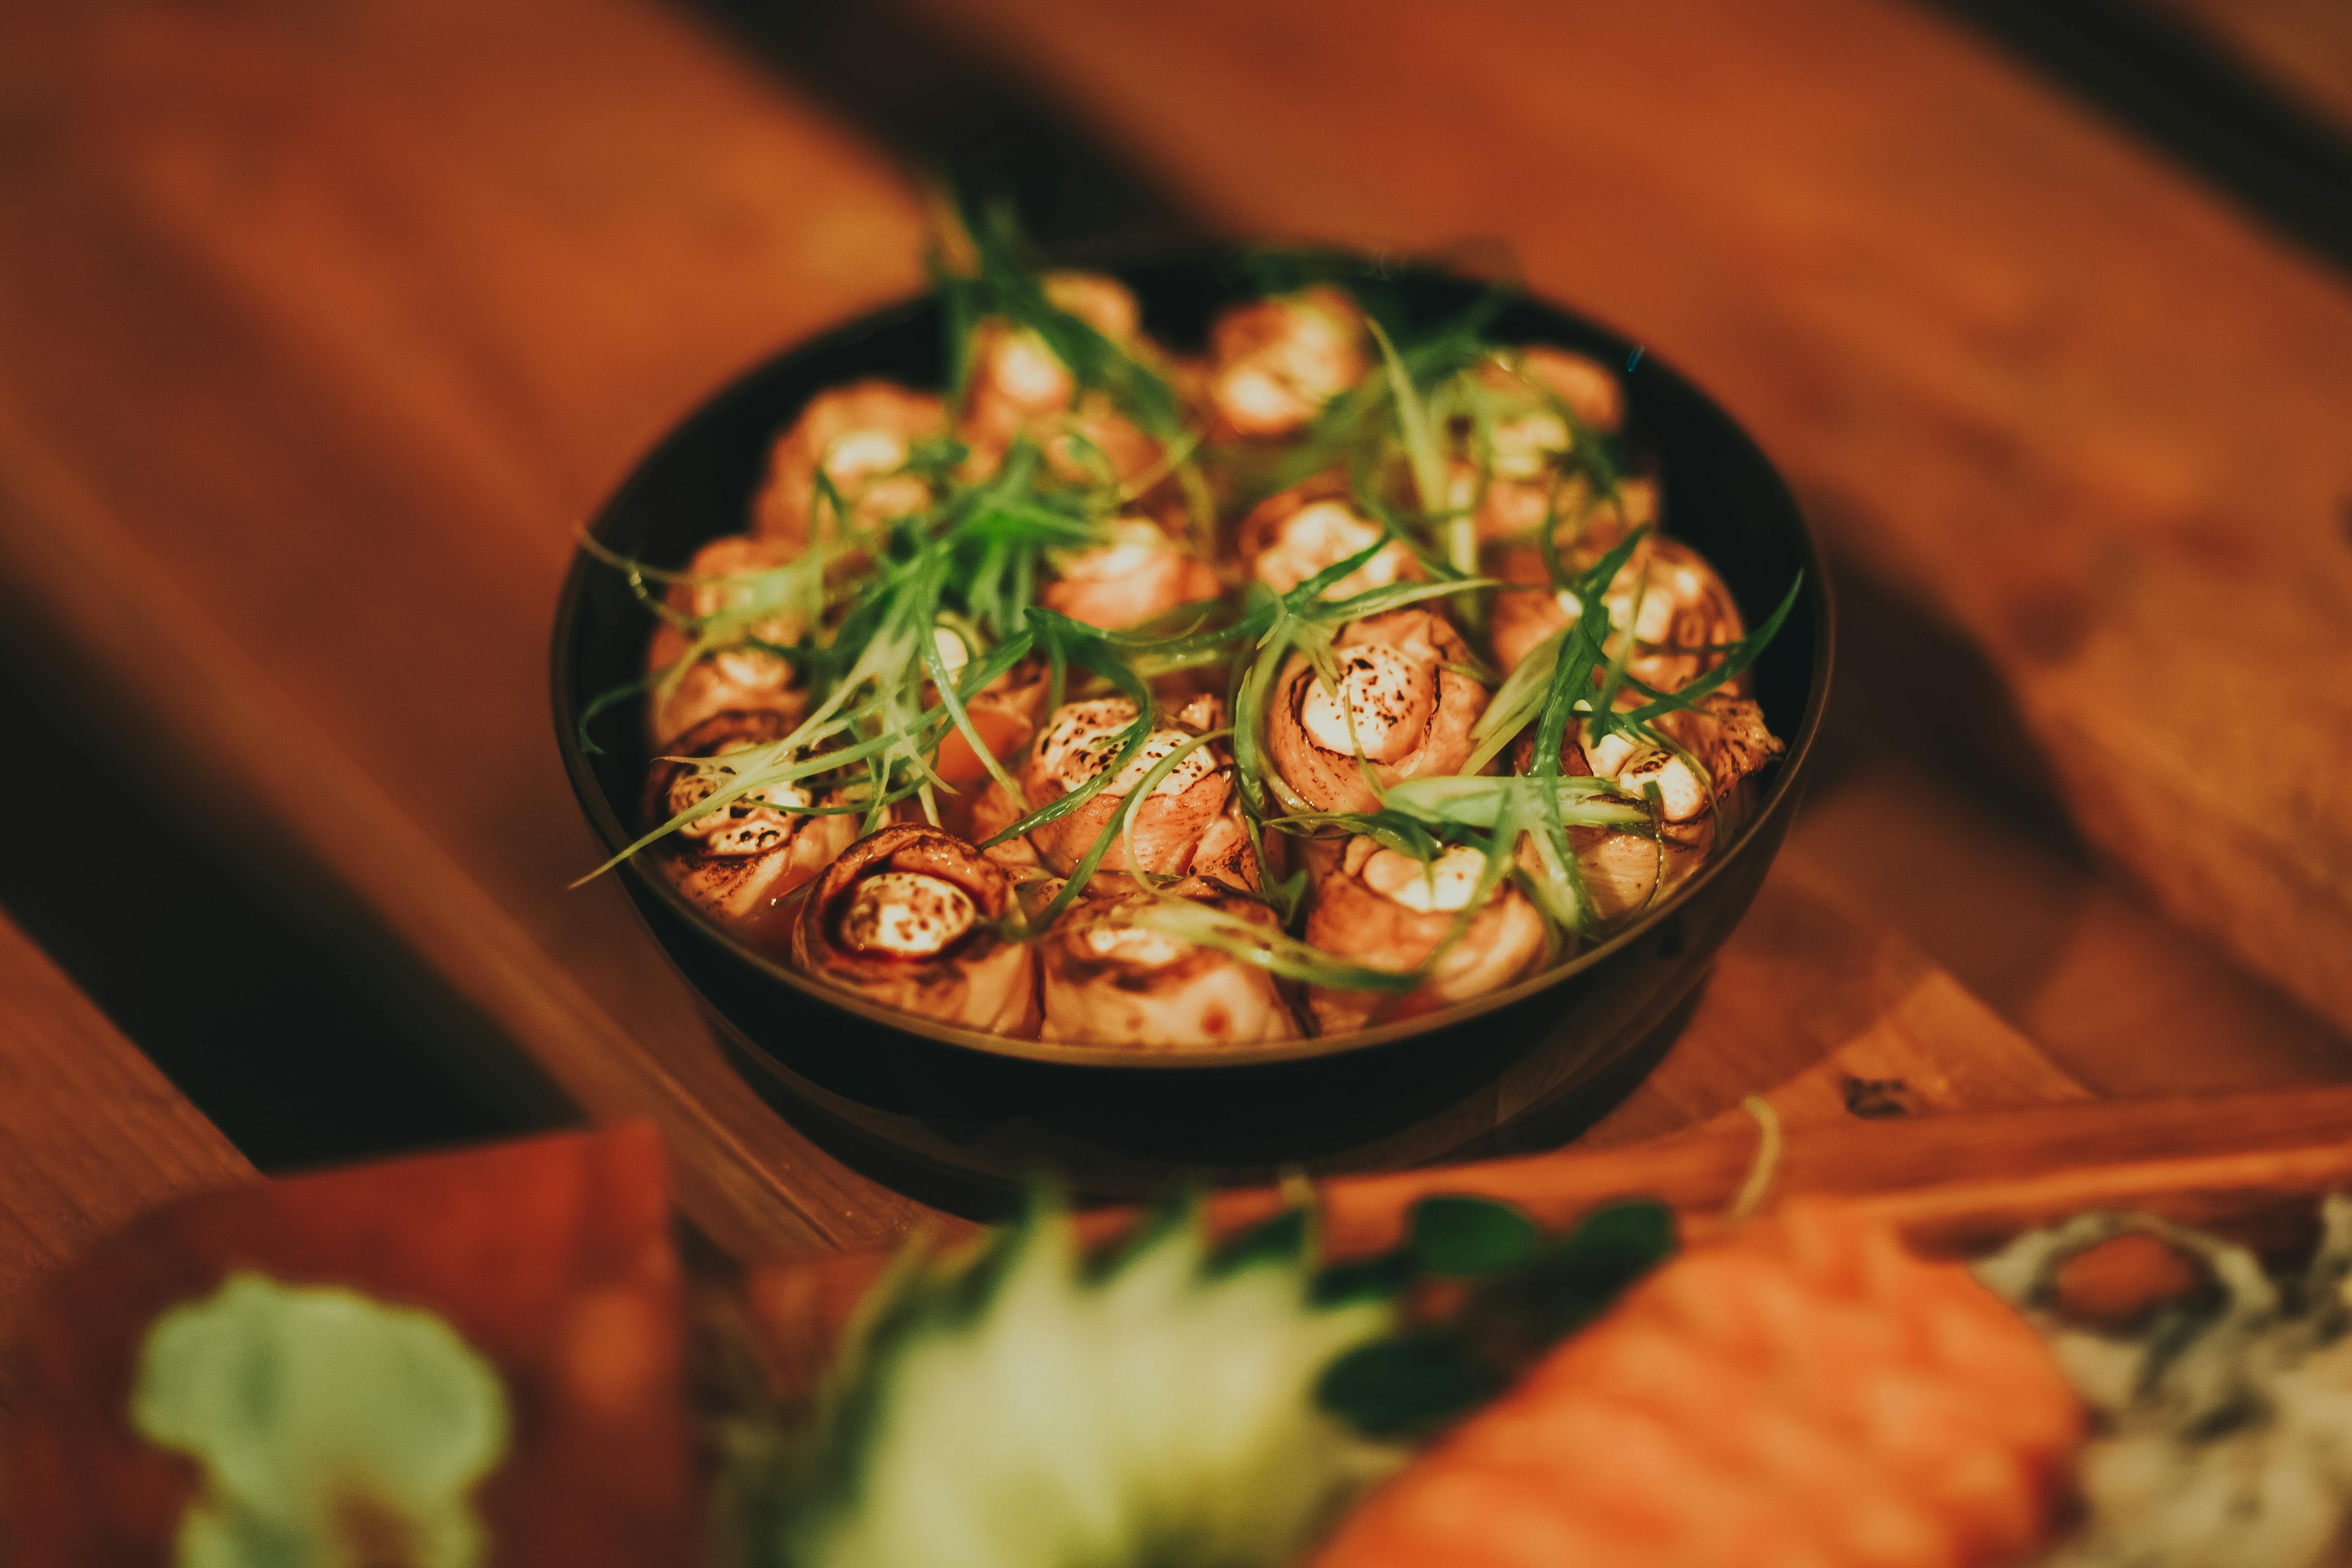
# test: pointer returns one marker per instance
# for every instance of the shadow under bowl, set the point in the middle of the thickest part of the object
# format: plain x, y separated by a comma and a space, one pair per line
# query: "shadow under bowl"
961, 1118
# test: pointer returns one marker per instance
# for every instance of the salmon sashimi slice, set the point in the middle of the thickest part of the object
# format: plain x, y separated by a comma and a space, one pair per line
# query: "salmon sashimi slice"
1804, 1394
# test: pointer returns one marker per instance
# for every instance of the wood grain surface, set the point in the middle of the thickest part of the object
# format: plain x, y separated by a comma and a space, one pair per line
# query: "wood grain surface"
399, 300
320, 331
91, 1136
1830, 1017
2016, 367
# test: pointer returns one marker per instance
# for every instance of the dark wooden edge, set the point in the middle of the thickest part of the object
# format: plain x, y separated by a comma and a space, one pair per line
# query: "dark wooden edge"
1956, 1184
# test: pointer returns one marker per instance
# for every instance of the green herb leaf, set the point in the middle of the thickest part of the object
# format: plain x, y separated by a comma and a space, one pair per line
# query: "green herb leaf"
1266, 947
1465, 1237
1735, 663
1397, 1390
1479, 802
1414, 1382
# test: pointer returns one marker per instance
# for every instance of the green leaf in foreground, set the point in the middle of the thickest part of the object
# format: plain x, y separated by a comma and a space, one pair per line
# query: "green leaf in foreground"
1465, 1237
330, 1428
1406, 1387
1410, 1385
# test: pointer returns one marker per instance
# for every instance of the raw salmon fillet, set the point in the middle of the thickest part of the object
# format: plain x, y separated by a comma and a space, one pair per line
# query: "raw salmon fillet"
1805, 1393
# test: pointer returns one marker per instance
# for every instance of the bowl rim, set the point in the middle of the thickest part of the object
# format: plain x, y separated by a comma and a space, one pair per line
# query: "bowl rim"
613, 833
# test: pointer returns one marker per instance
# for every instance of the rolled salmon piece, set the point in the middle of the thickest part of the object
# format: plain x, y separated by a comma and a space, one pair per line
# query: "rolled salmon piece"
1681, 614
1589, 388
1140, 575
860, 436
1078, 743
740, 861
1224, 859
1403, 707
1292, 535
909, 917
1725, 734
739, 676
1018, 385
1106, 979
1275, 363
1531, 608
1625, 872
1519, 464
1387, 911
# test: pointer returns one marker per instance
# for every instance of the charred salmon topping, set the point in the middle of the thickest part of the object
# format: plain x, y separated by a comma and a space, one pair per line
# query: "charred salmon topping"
907, 914
1383, 703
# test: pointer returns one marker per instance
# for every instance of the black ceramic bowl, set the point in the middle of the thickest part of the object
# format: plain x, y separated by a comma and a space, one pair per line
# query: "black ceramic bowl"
957, 1116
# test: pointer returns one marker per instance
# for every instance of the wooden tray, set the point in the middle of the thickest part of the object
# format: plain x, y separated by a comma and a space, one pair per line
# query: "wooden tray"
2249, 1165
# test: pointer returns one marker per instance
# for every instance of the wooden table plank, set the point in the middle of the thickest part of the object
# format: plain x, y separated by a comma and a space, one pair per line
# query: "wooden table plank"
1809, 994
2021, 370
397, 308
2123, 1000
315, 342
744, 1176
1827, 1014
93, 1135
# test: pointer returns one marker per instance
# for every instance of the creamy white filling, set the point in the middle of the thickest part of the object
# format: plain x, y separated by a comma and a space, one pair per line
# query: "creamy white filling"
1197, 764
863, 454
1324, 533
907, 914
1668, 593
1250, 396
751, 667
745, 825
1024, 370
1138, 947
1084, 736
1315, 351
1682, 795
1606, 755
1202, 713
1135, 546
1082, 739
952, 652
1442, 886
1526, 444
1391, 698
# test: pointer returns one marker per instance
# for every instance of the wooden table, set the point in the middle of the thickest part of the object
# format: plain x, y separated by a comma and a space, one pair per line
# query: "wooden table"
2026, 377
321, 331
94, 1136
91, 1136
